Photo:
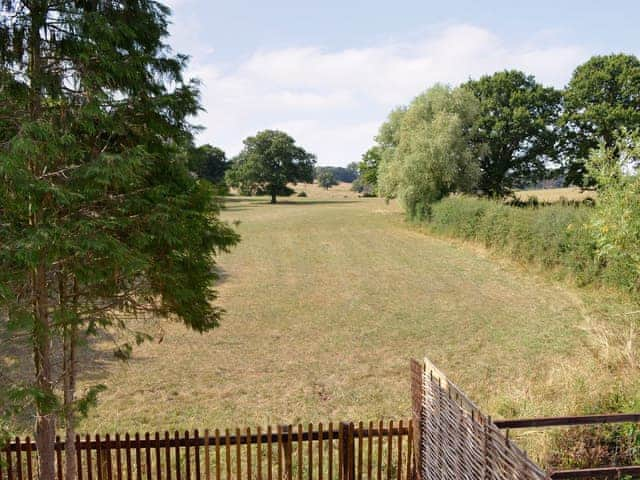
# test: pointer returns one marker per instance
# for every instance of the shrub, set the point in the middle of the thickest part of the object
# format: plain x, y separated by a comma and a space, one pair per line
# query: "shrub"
302, 194
615, 225
553, 236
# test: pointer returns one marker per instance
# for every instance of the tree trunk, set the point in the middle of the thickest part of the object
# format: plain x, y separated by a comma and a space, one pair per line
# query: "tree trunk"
273, 195
45, 417
70, 369
71, 465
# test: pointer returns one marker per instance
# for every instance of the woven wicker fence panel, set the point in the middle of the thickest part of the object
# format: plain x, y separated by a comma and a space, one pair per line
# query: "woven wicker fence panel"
456, 440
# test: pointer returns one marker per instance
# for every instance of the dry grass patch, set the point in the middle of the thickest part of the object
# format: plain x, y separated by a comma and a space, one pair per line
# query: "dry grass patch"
552, 195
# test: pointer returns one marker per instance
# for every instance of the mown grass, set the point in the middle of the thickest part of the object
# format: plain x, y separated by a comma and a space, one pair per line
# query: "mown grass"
328, 297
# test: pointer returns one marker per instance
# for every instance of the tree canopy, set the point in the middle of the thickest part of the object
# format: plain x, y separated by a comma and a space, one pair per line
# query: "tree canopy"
516, 123
368, 166
268, 162
434, 154
101, 220
326, 179
342, 174
602, 97
208, 162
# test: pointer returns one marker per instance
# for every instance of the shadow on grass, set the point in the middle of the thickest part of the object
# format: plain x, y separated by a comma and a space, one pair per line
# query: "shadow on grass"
235, 204
315, 202
17, 352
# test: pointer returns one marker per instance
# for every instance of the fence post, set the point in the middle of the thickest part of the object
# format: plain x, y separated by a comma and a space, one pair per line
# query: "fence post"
347, 466
286, 445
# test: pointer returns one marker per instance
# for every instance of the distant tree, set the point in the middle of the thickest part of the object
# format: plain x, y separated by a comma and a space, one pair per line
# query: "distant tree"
208, 162
341, 174
517, 125
326, 179
353, 168
268, 161
434, 155
100, 220
368, 166
602, 97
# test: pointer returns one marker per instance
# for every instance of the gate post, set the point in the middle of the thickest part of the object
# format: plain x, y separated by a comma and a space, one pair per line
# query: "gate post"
417, 405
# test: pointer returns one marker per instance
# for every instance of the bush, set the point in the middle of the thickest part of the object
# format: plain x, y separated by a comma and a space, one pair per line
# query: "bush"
553, 236
616, 222
302, 194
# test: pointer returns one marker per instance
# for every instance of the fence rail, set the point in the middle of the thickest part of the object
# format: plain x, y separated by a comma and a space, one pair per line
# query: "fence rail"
343, 451
572, 421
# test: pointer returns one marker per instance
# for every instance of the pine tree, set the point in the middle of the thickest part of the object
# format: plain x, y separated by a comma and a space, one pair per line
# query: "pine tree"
100, 220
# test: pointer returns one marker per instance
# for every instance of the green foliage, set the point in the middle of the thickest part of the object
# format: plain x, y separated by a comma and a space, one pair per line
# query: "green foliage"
616, 222
602, 97
208, 162
368, 170
516, 123
326, 179
269, 161
346, 174
554, 236
433, 155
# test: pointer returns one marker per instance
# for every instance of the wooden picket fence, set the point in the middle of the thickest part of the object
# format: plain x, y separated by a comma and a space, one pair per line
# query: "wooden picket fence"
343, 451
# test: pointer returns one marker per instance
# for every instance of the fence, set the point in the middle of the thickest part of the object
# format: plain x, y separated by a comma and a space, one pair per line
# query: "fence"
599, 472
456, 440
345, 451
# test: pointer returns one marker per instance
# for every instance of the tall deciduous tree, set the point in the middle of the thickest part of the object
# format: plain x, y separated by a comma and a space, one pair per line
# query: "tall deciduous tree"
434, 155
100, 219
517, 124
602, 97
269, 161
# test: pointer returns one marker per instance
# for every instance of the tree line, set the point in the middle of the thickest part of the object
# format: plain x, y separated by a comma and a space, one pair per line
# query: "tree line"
502, 131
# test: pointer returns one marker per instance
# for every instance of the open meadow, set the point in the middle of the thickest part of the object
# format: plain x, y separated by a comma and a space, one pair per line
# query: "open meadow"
328, 297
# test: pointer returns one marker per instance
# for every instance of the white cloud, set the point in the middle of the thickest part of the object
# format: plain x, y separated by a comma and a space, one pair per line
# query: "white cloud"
332, 102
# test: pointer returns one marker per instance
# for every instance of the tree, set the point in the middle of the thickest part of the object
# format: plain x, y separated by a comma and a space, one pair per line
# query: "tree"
434, 155
368, 166
208, 162
602, 97
101, 220
268, 161
326, 179
517, 124
341, 174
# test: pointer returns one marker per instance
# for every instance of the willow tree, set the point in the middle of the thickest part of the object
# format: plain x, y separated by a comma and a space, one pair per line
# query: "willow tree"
433, 153
100, 220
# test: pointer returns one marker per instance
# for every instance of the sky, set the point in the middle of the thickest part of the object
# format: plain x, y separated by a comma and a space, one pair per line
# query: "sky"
328, 72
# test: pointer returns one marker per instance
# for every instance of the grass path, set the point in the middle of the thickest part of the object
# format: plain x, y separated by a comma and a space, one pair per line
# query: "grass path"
327, 299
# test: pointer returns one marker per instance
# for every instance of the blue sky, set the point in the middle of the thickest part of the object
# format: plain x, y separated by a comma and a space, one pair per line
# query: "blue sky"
328, 72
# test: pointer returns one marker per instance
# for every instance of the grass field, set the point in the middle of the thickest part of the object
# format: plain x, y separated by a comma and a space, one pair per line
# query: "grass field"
329, 296
556, 194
